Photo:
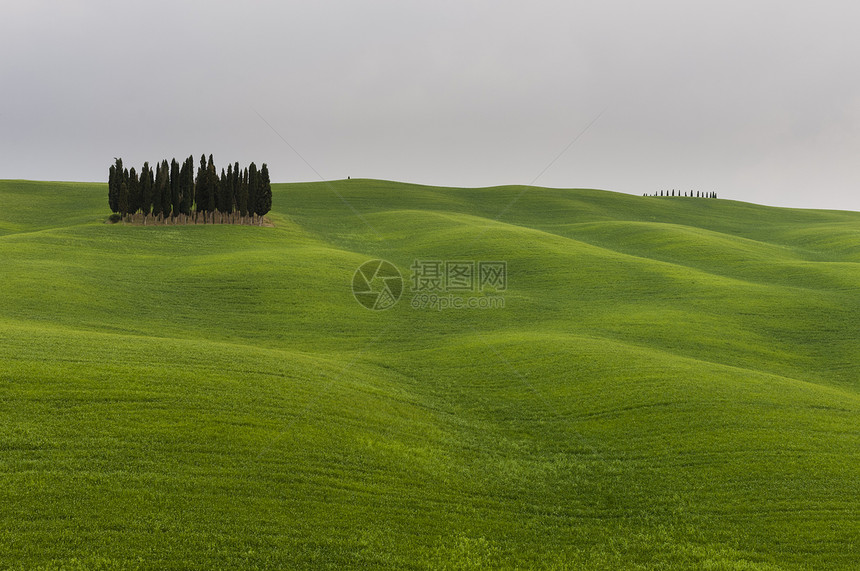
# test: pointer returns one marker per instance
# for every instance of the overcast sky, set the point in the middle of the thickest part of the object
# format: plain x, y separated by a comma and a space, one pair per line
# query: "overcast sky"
756, 100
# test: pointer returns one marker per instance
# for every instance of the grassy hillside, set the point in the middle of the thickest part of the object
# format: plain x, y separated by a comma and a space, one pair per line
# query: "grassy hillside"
671, 383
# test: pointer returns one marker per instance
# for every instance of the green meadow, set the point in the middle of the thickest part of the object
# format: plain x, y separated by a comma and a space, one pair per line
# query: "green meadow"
672, 383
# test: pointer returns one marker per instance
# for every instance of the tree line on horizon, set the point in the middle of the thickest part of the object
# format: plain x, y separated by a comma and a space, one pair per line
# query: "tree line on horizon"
172, 192
697, 194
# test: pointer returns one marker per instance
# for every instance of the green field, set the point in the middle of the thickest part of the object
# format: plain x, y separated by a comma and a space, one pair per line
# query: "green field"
672, 383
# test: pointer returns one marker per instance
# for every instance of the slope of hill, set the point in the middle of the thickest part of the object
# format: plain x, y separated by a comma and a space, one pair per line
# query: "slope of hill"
671, 383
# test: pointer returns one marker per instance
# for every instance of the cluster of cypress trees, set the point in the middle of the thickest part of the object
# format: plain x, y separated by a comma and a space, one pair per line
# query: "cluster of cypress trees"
172, 192
696, 194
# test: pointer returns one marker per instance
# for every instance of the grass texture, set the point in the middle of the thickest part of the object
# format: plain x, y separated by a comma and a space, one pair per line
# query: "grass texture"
672, 383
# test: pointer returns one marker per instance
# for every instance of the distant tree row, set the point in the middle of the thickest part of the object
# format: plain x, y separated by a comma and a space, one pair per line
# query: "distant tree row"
170, 192
693, 194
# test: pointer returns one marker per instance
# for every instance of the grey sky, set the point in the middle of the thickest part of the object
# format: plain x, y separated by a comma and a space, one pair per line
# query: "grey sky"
757, 100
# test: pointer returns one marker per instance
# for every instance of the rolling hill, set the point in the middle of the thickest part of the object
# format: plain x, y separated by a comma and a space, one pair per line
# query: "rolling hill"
672, 383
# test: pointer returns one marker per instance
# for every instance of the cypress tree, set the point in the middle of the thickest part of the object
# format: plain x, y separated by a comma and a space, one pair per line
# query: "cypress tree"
264, 195
222, 188
165, 198
151, 183
212, 187
182, 188
158, 191
201, 192
175, 194
120, 176
187, 176
242, 194
229, 191
192, 187
237, 182
133, 192
112, 189
122, 197
234, 186
145, 190
171, 190
253, 187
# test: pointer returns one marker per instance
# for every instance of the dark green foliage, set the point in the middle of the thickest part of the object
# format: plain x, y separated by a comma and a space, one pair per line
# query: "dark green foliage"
253, 188
171, 189
225, 192
237, 178
202, 187
227, 187
175, 193
222, 186
242, 193
264, 194
211, 185
113, 191
122, 202
146, 189
165, 189
691, 194
160, 186
230, 191
133, 191
186, 179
